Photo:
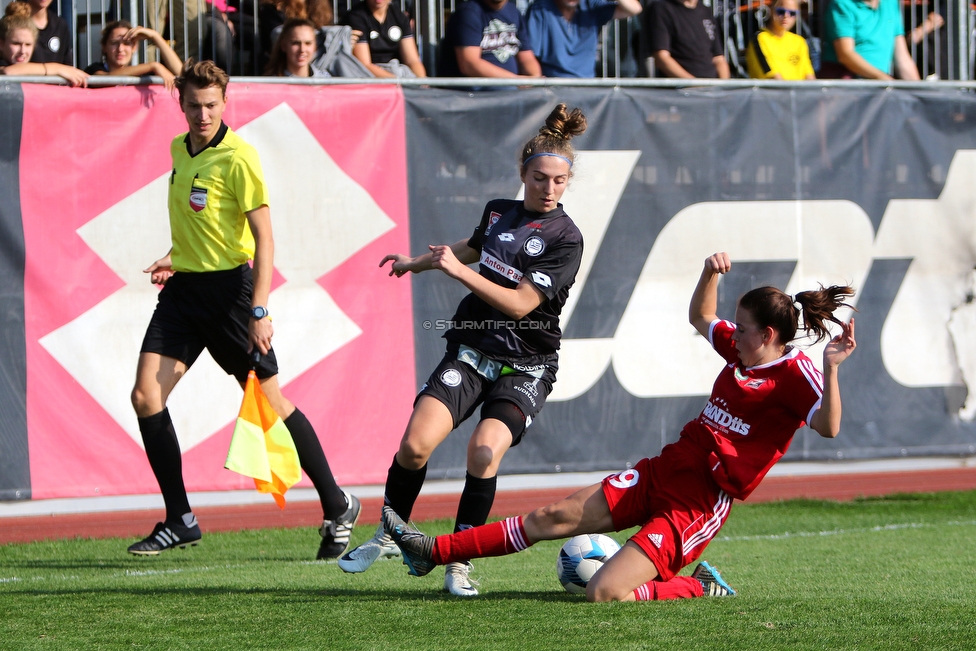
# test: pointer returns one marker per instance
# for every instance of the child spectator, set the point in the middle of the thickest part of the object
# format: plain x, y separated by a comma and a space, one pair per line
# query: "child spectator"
388, 48
53, 44
119, 39
18, 37
778, 53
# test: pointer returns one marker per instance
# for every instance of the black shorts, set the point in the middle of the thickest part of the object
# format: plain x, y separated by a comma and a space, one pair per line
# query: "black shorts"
207, 310
461, 388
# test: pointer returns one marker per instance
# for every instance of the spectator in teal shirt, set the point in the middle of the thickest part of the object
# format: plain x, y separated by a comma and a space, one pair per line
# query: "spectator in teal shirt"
865, 38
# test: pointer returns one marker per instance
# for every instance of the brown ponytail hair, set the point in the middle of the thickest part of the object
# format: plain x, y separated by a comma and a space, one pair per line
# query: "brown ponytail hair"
771, 307
17, 16
554, 137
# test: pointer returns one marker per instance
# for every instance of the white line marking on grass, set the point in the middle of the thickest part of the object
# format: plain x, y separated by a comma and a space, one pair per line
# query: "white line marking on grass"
839, 532
9, 579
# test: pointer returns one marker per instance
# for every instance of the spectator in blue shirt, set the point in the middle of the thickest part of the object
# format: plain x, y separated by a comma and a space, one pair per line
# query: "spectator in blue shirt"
564, 32
487, 38
865, 38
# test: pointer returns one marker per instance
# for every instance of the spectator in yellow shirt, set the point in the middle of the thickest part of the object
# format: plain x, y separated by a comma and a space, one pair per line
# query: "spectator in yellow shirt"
778, 53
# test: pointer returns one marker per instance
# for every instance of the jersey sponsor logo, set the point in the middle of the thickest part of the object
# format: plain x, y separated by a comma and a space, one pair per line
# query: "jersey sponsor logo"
541, 279
493, 218
625, 479
198, 199
451, 377
534, 246
395, 33
724, 420
529, 368
746, 381
54, 44
656, 539
500, 267
506, 237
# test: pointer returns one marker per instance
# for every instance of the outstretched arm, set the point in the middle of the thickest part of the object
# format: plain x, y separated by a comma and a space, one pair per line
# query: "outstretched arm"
404, 263
826, 420
704, 302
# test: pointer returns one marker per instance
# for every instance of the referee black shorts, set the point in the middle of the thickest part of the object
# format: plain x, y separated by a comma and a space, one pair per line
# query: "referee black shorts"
207, 310
461, 389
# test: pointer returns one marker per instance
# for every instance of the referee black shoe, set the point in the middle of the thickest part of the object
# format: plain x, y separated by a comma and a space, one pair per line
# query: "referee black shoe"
167, 535
336, 533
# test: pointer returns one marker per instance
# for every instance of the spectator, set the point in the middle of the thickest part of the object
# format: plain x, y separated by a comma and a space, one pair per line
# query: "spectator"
119, 39
295, 50
684, 40
53, 43
865, 38
564, 32
18, 36
487, 38
389, 48
184, 34
778, 53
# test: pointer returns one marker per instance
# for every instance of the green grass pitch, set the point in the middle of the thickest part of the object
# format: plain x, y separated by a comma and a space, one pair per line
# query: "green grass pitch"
891, 573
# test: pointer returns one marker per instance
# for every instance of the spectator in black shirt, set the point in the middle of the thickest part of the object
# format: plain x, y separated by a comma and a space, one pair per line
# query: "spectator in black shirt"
53, 37
387, 45
119, 41
684, 40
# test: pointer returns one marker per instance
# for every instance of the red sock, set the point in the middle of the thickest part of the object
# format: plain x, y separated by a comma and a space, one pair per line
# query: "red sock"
495, 539
680, 587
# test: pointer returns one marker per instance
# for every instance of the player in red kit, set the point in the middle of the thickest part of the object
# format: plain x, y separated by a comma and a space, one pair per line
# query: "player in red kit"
766, 391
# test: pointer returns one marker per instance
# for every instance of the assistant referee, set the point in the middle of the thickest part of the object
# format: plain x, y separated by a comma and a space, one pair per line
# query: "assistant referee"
220, 220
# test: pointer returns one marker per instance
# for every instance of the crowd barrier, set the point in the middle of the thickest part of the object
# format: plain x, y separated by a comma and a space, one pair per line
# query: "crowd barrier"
197, 28
801, 184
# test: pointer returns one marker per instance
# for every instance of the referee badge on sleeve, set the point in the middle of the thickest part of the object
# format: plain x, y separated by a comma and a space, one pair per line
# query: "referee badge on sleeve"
198, 198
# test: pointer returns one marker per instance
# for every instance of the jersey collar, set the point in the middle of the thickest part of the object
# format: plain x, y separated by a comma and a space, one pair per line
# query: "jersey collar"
216, 140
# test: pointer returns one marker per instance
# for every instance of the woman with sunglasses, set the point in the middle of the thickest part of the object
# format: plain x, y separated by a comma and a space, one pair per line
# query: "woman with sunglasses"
776, 52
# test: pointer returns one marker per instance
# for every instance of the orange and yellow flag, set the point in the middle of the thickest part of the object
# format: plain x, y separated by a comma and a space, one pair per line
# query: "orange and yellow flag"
262, 447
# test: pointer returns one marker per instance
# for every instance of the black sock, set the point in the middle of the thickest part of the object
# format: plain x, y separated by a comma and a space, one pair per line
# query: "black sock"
402, 488
163, 451
315, 465
476, 500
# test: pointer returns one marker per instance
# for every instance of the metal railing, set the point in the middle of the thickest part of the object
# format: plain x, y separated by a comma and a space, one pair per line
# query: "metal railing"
196, 28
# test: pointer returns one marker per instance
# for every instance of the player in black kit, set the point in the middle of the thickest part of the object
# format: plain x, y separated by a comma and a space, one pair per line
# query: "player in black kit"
502, 346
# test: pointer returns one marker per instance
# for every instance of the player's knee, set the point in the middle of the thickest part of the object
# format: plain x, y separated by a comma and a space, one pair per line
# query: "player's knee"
412, 455
549, 519
481, 458
599, 591
143, 403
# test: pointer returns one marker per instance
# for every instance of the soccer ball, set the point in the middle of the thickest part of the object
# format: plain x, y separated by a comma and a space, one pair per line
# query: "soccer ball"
581, 557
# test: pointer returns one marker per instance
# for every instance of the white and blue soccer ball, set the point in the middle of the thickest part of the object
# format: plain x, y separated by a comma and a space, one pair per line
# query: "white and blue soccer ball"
581, 557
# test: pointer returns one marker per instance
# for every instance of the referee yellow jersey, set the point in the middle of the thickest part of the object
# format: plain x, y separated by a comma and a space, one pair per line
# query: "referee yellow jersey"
788, 55
208, 196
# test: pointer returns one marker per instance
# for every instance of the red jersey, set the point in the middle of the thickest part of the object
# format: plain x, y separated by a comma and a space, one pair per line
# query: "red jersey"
753, 413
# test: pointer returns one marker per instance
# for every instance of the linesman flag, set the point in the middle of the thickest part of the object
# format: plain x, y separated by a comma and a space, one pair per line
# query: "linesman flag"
262, 447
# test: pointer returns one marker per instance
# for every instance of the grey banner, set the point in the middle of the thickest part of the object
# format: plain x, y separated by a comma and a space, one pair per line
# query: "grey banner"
870, 148
14, 465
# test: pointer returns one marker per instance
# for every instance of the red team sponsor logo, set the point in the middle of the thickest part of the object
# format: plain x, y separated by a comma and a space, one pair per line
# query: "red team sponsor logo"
198, 199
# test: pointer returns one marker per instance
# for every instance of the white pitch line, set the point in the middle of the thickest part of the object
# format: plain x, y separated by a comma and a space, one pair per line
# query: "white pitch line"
840, 532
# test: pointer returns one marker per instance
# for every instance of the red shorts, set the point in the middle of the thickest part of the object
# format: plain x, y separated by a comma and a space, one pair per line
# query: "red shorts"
676, 500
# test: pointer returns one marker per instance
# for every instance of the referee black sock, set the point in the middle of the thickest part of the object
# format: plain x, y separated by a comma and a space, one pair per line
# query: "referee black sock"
402, 488
163, 451
315, 465
476, 500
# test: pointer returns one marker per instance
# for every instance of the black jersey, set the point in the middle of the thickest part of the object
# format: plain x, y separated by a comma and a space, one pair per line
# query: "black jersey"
517, 243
